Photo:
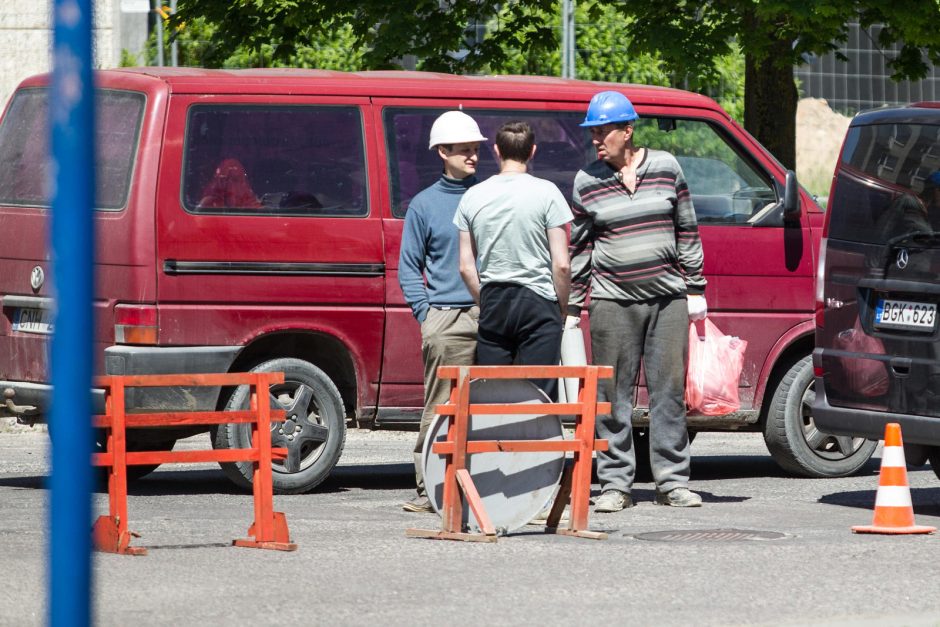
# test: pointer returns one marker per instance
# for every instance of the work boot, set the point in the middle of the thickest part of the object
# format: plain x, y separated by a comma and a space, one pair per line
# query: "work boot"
420, 504
612, 501
679, 497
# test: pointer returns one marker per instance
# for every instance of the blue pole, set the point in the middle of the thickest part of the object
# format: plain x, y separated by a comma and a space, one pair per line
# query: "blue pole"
71, 110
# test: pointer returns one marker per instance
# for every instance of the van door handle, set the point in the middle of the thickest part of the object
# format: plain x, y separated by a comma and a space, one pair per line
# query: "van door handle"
901, 366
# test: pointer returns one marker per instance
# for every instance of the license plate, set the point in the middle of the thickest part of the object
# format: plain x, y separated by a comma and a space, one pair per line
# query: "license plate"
904, 314
28, 320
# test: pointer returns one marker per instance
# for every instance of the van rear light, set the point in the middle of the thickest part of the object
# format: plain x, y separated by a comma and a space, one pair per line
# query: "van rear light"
821, 283
817, 371
135, 324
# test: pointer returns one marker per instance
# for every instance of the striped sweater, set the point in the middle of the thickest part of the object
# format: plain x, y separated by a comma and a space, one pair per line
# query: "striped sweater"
634, 247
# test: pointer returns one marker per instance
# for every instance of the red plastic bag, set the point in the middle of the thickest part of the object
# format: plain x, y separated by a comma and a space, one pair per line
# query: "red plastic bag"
715, 362
858, 375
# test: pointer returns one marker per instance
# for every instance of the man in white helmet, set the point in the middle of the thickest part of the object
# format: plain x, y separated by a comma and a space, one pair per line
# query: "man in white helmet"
429, 276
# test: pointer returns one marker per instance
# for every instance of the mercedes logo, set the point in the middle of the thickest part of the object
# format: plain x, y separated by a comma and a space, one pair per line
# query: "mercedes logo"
36, 278
903, 258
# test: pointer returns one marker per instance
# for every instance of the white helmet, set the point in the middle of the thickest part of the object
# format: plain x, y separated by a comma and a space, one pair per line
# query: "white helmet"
454, 127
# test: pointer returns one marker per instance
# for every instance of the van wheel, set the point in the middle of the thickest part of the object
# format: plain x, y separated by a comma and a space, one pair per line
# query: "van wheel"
313, 434
934, 457
793, 439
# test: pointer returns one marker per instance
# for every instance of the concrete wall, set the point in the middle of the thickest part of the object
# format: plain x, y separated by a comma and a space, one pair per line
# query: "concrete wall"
26, 36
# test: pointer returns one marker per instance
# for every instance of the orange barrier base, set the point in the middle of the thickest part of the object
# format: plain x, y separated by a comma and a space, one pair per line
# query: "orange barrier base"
281, 541
108, 537
897, 531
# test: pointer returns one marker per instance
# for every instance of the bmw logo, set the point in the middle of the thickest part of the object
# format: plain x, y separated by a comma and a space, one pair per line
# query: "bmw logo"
903, 258
36, 278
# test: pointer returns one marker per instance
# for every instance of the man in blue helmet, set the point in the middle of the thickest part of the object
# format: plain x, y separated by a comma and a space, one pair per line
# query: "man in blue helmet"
635, 244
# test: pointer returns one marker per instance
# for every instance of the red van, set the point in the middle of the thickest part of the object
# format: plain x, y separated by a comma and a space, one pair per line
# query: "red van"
252, 219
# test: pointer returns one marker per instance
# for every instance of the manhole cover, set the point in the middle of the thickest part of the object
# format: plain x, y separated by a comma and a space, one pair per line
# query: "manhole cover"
709, 535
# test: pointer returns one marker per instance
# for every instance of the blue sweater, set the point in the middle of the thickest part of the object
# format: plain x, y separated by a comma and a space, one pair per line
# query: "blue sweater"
430, 249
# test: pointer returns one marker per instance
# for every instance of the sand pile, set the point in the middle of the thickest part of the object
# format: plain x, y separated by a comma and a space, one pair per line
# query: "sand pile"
819, 134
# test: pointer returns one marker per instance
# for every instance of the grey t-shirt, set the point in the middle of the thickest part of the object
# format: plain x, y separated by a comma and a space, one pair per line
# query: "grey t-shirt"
508, 215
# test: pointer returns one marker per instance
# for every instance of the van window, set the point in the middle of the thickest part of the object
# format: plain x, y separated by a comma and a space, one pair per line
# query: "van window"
275, 160
888, 183
24, 141
725, 187
563, 148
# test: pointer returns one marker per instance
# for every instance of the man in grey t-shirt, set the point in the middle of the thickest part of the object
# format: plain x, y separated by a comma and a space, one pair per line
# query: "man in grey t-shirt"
514, 225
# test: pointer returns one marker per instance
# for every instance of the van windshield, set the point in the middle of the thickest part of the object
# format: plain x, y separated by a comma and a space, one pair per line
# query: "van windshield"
24, 147
888, 186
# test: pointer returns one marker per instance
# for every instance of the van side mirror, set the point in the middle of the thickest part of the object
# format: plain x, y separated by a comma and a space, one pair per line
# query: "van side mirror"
791, 198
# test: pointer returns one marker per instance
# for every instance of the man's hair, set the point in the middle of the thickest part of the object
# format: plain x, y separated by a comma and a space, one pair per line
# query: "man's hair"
515, 141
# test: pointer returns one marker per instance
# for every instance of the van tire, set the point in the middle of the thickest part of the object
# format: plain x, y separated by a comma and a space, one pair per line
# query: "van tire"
791, 435
934, 457
322, 421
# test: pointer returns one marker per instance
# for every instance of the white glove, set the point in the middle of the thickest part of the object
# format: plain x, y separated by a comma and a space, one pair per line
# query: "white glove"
698, 308
572, 322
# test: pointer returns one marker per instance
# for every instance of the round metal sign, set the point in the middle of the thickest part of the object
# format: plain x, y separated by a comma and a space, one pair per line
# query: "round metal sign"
514, 487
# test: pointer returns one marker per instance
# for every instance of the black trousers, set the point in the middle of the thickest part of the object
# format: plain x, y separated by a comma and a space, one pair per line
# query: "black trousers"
517, 326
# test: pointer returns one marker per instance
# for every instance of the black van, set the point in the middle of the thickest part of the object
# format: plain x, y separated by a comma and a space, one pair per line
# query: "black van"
877, 356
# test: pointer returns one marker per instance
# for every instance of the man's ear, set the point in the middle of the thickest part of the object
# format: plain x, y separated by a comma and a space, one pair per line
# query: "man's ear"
629, 132
496, 150
532, 154
441, 151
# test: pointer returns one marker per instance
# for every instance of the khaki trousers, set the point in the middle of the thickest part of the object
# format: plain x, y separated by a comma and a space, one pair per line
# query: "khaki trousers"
448, 338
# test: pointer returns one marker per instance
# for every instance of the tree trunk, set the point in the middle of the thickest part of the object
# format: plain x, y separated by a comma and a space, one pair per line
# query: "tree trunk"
770, 99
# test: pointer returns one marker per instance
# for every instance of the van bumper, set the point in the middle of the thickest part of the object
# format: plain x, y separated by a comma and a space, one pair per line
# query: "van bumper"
869, 423
29, 402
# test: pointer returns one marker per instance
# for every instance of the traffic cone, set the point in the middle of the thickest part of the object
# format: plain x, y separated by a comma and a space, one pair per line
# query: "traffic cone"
894, 513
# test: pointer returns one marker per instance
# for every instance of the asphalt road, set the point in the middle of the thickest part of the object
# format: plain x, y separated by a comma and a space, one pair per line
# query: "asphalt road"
355, 566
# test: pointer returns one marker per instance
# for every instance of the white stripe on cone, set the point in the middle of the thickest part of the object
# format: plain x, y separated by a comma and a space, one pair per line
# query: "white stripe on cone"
893, 456
893, 496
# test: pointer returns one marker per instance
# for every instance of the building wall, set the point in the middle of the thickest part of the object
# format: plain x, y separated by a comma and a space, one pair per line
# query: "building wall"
26, 36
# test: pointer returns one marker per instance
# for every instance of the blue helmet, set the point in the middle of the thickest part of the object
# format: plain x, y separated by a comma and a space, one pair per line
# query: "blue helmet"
607, 107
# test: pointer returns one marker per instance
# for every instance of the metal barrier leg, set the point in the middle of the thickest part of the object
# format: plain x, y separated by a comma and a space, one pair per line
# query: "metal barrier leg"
457, 480
110, 533
583, 458
269, 528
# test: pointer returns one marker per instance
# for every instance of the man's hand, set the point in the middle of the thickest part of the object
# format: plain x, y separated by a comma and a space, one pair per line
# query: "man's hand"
698, 308
572, 322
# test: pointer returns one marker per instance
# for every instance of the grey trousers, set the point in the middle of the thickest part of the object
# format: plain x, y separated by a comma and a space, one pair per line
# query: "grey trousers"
656, 331
448, 338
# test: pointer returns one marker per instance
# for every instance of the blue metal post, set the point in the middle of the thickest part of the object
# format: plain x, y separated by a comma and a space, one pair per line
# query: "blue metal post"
71, 110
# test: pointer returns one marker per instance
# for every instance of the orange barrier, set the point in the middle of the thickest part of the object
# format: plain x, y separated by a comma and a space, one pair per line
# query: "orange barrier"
894, 512
269, 529
576, 481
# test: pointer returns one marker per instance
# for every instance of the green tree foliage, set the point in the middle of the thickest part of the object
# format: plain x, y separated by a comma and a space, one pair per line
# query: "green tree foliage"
775, 35
693, 38
604, 53
197, 44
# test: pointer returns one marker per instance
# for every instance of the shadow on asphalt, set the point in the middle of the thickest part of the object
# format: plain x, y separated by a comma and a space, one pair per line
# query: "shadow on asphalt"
395, 476
926, 501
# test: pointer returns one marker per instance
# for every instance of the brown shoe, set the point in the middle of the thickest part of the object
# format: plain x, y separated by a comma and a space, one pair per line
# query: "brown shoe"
419, 504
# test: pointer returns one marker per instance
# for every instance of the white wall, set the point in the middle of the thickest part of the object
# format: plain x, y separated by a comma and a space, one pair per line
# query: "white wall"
26, 36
